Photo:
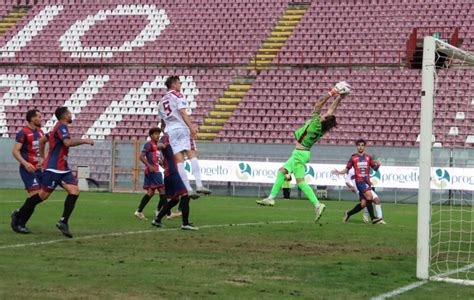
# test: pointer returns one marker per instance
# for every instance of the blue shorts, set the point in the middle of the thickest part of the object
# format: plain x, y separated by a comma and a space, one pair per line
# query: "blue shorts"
31, 180
153, 181
50, 180
363, 187
174, 186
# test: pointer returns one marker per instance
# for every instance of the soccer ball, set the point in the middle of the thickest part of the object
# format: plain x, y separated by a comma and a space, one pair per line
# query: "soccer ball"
343, 88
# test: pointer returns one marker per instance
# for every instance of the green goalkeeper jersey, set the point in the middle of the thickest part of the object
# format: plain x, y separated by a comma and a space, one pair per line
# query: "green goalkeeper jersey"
311, 132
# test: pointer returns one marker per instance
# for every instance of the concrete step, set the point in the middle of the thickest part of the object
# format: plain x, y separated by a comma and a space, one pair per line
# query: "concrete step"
295, 11
240, 86
201, 130
224, 107
260, 62
276, 39
220, 113
214, 121
284, 27
265, 56
259, 67
204, 135
229, 100
280, 33
266, 50
273, 45
210, 127
234, 93
292, 17
288, 22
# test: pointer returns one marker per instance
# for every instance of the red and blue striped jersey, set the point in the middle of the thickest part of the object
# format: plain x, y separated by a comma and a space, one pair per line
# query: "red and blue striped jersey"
362, 164
169, 161
151, 153
29, 138
58, 152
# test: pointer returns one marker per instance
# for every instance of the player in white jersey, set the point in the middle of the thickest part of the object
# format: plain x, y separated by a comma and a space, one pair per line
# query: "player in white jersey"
350, 183
181, 131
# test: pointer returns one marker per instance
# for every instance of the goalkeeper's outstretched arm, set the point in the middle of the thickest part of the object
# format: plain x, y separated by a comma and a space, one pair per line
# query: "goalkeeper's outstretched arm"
320, 103
335, 104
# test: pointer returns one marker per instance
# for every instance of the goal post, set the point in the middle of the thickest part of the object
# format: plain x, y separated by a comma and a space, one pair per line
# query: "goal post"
432, 47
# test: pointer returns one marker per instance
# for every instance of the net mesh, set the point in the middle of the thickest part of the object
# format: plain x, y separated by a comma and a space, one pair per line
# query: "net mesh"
452, 209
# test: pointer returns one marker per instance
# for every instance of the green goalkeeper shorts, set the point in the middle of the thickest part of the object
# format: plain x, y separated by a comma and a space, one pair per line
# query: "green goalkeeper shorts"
295, 164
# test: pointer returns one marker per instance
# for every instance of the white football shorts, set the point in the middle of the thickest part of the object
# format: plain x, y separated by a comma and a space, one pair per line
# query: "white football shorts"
180, 139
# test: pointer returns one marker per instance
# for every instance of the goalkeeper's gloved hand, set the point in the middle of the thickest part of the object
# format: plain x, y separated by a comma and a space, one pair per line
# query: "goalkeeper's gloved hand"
333, 92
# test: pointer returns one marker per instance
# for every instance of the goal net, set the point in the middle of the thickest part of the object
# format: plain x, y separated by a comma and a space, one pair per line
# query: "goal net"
446, 194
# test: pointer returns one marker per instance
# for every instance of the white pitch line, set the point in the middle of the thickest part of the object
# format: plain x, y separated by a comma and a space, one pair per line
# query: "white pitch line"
399, 290
440, 277
88, 237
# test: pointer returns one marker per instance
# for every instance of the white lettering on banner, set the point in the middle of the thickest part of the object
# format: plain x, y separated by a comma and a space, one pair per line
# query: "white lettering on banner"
31, 30
21, 88
157, 22
320, 174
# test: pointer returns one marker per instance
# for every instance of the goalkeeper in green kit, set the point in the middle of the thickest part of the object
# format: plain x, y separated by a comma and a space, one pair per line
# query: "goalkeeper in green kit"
306, 137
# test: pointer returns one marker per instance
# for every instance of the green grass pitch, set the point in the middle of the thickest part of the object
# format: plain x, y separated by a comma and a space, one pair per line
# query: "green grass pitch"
275, 252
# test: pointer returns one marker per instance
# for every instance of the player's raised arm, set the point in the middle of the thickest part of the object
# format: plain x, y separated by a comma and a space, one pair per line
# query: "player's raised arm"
320, 103
334, 105
340, 89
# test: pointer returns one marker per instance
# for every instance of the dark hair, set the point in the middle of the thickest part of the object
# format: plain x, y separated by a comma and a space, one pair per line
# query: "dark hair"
328, 123
153, 130
170, 80
60, 112
31, 114
360, 141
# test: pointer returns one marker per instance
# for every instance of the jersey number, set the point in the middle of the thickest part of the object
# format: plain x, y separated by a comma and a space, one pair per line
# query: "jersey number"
167, 108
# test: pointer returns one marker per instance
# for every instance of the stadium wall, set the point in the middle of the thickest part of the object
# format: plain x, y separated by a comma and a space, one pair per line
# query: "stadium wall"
122, 173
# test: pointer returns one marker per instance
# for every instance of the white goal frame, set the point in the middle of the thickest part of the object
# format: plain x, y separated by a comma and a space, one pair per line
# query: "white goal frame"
431, 45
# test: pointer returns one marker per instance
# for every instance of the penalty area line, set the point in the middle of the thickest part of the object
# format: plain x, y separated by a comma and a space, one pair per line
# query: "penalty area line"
114, 234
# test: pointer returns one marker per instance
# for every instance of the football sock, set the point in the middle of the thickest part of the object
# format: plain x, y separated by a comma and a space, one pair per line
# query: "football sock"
370, 209
162, 203
286, 193
146, 198
185, 209
308, 191
378, 209
277, 185
166, 208
355, 210
196, 171
366, 213
184, 176
24, 209
28, 208
69, 204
